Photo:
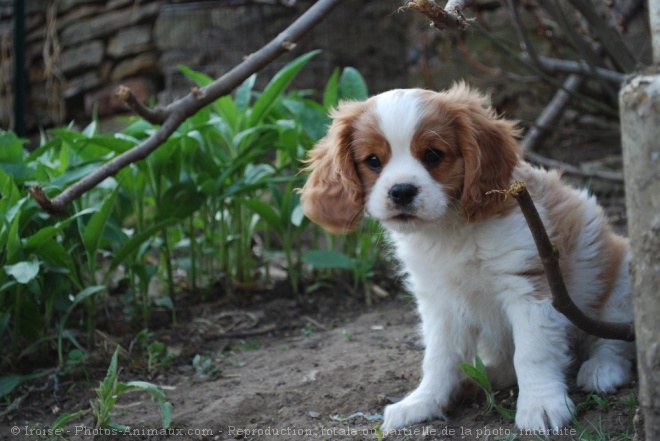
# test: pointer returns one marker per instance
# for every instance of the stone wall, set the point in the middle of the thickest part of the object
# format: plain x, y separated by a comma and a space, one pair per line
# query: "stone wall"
79, 51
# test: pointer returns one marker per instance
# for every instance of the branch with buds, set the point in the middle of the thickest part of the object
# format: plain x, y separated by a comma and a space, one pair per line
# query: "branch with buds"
172, 116
451, 17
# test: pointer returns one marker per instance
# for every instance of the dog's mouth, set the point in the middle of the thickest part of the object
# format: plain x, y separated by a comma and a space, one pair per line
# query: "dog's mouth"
404, 217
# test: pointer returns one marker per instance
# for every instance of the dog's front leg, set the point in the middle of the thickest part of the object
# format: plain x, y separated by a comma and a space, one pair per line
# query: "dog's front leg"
440, 373
541, 357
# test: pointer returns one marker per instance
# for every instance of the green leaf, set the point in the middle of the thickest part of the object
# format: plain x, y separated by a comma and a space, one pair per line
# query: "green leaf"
276, 87
328, 259
119, 428
297, 215
311, 115
180, 200
46, 233
266, 213
331, 93
90, 130
9, 191
108, 383
14, 244
20, 172
82, 295
68, 417
154, 390
24, 271
352, 85
10, 382
166, 410
11, 148
478, 374
74, 174
136, 241
244, 93
227, 109
93, 231
200, 78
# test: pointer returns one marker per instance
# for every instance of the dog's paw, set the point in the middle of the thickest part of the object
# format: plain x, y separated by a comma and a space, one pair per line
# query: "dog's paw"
603, 375
412, 409
543, 412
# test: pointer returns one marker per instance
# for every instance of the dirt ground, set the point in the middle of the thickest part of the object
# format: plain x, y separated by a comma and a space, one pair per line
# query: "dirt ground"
322, 368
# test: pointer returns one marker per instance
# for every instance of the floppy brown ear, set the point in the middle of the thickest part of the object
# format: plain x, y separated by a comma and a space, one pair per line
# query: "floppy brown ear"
490, 152
333, 195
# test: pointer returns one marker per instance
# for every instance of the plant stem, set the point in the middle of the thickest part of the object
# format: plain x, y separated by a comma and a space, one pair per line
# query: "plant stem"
193, 263
170, 276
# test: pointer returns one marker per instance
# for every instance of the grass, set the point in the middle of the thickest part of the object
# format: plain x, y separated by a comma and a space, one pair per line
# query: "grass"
582, 428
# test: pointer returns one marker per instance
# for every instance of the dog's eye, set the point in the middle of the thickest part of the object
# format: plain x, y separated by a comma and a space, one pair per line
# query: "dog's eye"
374, 163
432, 157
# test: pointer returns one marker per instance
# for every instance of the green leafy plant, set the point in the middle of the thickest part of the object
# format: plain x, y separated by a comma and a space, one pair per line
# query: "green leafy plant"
154, 351
109, 391
222, 182
205, 367
478, 374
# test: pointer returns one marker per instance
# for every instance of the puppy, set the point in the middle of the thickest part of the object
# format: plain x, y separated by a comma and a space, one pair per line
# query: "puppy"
422, 163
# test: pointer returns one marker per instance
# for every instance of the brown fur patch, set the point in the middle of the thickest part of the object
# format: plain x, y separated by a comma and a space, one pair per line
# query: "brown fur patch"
485, 143
333, 195
614, 249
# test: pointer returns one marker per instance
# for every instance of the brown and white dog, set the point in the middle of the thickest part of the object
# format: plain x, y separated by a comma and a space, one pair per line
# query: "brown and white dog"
421, 162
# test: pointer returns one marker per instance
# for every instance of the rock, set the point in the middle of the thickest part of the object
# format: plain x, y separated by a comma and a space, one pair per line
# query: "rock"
106, 24
78, 14
130, 41
143, 63
38, 6
115, 4
86, 55
80, 84
66, 5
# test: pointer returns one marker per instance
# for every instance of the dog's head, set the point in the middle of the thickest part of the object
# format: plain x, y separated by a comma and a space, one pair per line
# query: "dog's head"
410, 156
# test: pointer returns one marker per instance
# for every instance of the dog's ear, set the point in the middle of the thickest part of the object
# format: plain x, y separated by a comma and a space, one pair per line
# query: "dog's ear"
489, 149
333, 196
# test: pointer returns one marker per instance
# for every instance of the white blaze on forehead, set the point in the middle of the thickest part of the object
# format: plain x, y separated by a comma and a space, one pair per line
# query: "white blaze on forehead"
398, 115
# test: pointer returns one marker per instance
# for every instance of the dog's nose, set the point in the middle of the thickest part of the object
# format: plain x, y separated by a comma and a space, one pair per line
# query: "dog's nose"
403, 194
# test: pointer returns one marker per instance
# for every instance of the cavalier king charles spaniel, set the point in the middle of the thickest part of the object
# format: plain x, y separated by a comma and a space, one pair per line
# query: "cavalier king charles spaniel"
423, 163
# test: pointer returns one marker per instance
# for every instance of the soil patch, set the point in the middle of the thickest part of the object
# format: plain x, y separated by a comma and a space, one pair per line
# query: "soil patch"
321, 369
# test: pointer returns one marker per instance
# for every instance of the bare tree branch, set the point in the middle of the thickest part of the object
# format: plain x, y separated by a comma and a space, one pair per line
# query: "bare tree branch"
173, 115
544, 123
549, 64
561, 300
449, 18
608, 36
551, 112
571, 169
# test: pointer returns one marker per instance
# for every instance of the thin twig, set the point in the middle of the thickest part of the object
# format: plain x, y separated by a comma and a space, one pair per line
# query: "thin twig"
177, 112
549, 64
156, 115
551, 112
607, 35
571, 169
549, 255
